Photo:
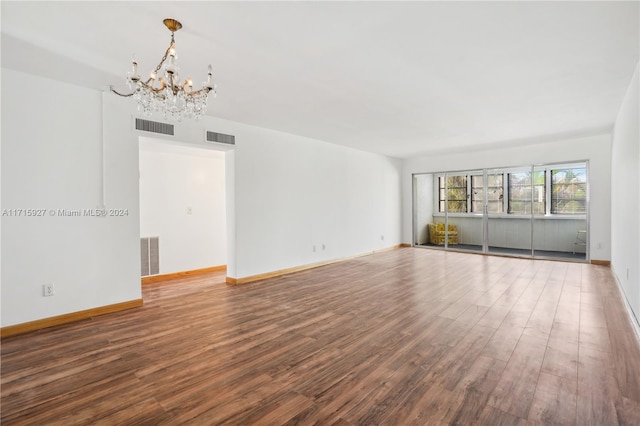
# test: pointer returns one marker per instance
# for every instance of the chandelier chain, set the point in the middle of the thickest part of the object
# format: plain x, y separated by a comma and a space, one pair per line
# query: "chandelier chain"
164, 58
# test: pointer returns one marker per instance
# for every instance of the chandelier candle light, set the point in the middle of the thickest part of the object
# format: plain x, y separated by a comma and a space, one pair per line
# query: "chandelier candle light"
175, 100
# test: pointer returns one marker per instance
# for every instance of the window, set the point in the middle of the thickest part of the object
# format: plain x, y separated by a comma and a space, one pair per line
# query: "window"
456, 193
495, 190
569, 191
521, 197
543, 190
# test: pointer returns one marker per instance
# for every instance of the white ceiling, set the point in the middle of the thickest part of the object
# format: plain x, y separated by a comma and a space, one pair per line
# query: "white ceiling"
396, 78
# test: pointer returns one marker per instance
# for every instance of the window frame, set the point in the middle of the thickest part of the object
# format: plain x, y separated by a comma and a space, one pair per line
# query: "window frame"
445, 189
531, 185
547, 170
500, 188
583, 184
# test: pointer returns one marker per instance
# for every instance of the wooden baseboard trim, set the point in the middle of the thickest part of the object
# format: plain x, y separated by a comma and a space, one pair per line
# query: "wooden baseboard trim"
633, 319
405, 245
182, 274
601, 262
27, 327
259, 277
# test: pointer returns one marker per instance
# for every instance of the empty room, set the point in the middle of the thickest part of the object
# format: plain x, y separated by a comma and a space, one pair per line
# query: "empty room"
320, 213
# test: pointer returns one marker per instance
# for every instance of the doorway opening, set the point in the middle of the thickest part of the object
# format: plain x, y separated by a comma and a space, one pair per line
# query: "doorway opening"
183, 223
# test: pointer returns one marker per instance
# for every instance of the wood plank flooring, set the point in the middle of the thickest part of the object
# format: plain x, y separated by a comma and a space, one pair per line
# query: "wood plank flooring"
405, 337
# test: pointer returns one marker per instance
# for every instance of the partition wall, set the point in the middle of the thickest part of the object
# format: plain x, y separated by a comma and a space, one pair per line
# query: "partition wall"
528, 211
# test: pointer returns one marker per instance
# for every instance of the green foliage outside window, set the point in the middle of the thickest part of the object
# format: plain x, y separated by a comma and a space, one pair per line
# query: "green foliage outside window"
569, 191
456, 194
526, 192
522, 197
495, 193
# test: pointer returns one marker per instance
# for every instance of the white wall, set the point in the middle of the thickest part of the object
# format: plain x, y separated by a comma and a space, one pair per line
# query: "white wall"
294, 194
424, 191
230, 203
1, 204
625, 196
285, 195
52, 159
182, 201
596, 149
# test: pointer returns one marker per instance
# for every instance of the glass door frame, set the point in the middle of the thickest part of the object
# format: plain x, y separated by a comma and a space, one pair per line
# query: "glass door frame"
532, 219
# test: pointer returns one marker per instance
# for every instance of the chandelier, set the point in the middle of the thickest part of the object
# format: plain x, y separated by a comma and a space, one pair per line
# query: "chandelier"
166, 94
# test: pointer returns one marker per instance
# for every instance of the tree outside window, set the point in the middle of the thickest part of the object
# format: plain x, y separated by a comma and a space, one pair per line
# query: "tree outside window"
495, 194
522, 199
456, 194
569, 191
561, 191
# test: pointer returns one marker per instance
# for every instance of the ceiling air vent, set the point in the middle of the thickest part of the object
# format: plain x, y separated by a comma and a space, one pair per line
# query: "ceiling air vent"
154, 127
221, 138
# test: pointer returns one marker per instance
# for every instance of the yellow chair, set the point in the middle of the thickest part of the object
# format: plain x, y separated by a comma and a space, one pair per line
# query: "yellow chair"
437, 234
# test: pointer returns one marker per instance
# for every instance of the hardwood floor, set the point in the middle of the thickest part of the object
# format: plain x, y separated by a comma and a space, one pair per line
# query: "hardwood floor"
405, 337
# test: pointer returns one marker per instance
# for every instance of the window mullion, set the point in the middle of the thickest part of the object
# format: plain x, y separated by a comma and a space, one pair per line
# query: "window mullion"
505, 193
468, 194
547, 189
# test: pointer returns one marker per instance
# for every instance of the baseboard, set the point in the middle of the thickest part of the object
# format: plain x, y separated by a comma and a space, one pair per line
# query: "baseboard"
635, 321
405, 245
27, 327
182, 274
601, 262
252, 278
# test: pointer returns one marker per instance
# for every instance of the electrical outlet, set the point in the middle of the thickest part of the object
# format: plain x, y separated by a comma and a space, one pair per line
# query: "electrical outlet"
314, 249
381, 237
48, 290
323, 247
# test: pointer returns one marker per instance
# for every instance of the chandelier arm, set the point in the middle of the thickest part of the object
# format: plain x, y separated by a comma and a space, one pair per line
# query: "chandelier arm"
197, 92
124, 95
153, 89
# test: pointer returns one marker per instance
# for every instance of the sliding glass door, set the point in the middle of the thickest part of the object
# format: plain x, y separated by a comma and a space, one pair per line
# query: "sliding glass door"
530, 211
509, 230
562, 230
461, 210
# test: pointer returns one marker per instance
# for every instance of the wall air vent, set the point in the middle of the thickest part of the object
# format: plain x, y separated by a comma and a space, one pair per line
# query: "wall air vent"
149, 256
154, 127
221, 138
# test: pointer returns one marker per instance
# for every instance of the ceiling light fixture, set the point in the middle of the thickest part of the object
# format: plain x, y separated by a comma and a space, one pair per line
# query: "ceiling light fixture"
175, 100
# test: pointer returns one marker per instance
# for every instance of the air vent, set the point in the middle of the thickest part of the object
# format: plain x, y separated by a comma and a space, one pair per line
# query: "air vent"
154, 127
149, 256
221, 137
